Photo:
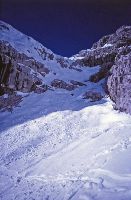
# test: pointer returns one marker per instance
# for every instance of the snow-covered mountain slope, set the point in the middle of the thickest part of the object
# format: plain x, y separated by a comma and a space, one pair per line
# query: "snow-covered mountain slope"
27, 65
23, 43
67, 142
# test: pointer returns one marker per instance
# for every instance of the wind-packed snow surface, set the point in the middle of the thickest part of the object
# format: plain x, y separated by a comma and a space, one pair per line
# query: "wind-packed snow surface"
59, 146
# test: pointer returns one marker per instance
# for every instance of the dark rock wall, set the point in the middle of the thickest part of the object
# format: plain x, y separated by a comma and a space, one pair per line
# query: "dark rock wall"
119, 83
19, 72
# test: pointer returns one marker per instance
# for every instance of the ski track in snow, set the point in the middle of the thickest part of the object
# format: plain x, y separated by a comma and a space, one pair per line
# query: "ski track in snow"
58, 146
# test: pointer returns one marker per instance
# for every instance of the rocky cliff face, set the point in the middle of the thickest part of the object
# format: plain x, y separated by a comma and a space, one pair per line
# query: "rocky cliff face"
112, 53
106, 49
18, 71
119, 83
26, 65
122, 37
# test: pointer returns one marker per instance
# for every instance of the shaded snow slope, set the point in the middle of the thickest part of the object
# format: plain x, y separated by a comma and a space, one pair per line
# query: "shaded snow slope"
59, 146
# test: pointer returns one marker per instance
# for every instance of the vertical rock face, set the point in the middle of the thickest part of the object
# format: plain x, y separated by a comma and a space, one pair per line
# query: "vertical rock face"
119, 83
113, 54
18, 71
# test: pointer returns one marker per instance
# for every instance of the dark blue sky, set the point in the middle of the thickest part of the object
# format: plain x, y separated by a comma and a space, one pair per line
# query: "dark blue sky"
66, 26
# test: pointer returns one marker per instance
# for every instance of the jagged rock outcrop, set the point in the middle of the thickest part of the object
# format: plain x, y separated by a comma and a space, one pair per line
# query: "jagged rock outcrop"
100, 56
106, 49
18, 71
103, 73
122, 37
93, 96
77, 83
62, 84
67, 86
112, 53
7, 103
103, 55
119, 83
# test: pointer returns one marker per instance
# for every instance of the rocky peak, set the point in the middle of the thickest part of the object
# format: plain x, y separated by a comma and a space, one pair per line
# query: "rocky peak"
120, 38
